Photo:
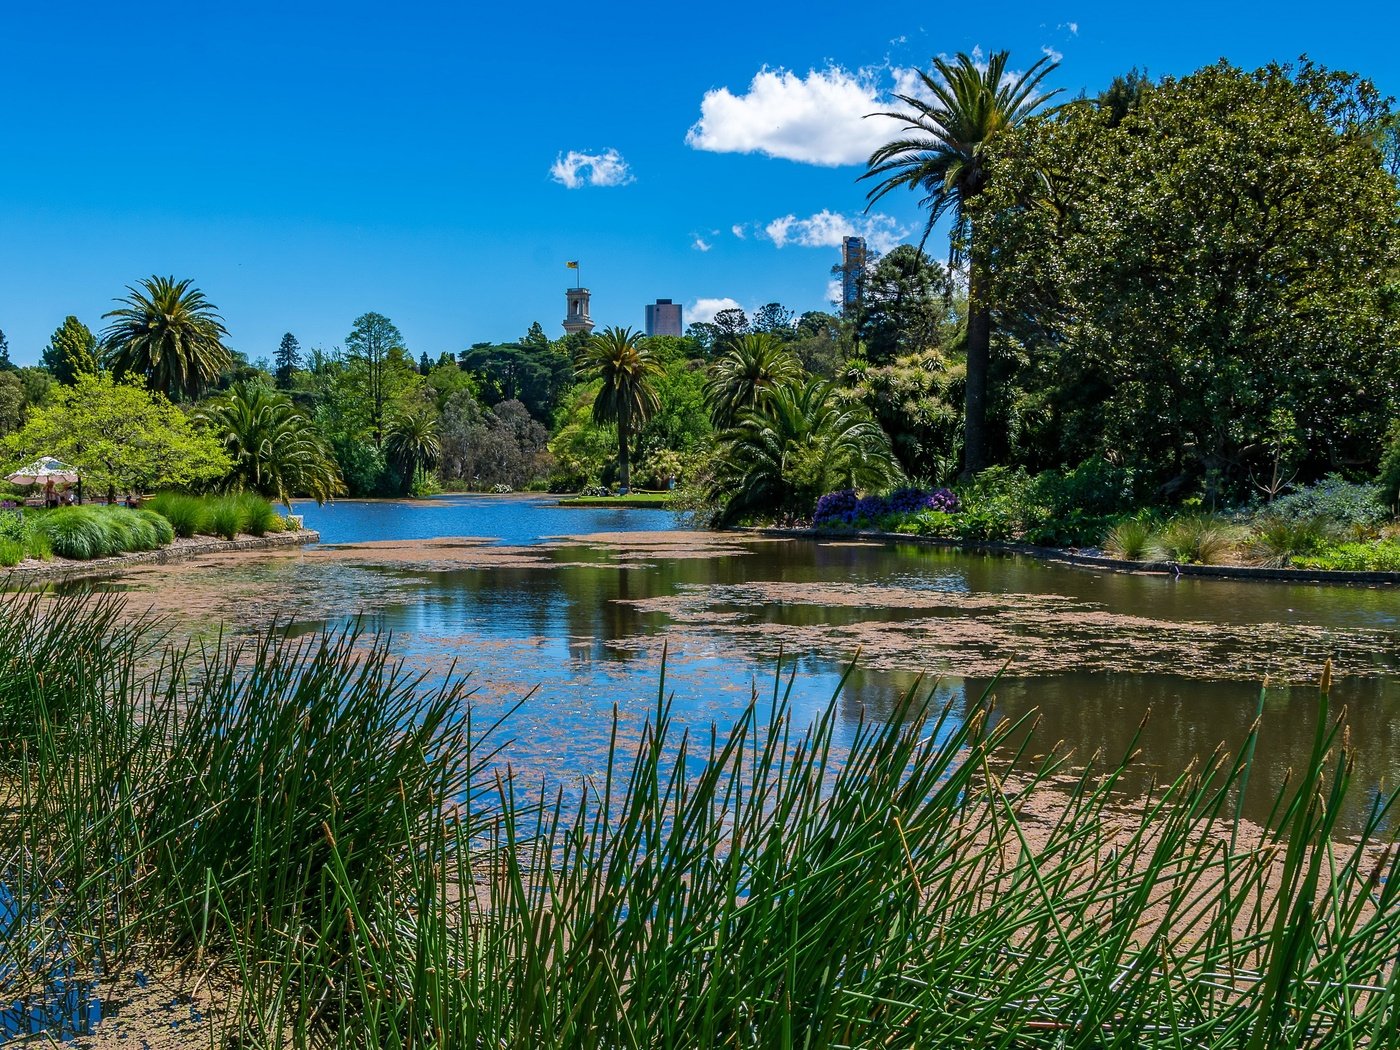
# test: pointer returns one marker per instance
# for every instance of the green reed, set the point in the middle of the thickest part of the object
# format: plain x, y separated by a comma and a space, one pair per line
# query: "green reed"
328, 840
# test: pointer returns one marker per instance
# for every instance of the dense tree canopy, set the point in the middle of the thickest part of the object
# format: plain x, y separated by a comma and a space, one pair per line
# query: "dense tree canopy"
1227, 250
72, 351
274, 449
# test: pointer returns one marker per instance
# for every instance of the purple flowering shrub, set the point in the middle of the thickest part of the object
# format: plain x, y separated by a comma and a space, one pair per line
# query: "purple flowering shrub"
845, 508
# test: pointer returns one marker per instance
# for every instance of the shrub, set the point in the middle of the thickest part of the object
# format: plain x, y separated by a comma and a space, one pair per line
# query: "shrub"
164, 531
1276, 541
1202, 539
1354, 557
14, 526
226, 517
258, 516
1333, 499
188, 515
1130, 540
836, 508
82, 533
939, 523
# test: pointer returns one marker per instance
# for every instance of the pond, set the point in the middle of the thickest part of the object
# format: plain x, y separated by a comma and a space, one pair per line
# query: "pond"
578, 603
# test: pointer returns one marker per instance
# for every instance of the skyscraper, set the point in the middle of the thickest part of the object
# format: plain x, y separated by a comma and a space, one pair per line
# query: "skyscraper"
663, 318
852, 273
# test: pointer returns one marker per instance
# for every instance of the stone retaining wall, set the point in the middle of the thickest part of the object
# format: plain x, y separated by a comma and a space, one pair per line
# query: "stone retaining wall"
61, 569
1087, 561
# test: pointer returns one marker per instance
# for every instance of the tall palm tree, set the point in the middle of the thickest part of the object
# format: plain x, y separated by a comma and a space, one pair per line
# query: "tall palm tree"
276, 451
752, 367
943, 152
169, 332
412, 438
625, 364
800, 442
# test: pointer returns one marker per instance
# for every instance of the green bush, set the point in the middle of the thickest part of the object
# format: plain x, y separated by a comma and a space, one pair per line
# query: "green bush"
188, 515
11, 552
14, 526
84, 533
1130, 540
1200, 539
226, 517
1333, 499
1276, 541
258, 516
164, 531
1354, 557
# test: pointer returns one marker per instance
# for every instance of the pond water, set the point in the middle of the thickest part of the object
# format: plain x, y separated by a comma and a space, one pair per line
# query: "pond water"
577, 605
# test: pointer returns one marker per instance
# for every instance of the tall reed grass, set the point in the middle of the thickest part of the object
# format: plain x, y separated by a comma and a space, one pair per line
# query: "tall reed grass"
324, 837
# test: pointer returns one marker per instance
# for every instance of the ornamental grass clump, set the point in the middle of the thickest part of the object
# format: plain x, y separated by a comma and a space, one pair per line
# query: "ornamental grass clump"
259, 517
227, 517
188, 515
1275, 541
1131, 540
1199, 539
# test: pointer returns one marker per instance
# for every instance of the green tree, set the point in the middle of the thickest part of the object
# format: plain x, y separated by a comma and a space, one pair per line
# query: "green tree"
413, 439
287, 360
274, 449
12, 403
753, 367
906, 308
729, 325
120, 436
72, 351
774, 319
375, 352
535, 374
948, 132
799, 443
621, 360
6, 365
167, 332
1223, 257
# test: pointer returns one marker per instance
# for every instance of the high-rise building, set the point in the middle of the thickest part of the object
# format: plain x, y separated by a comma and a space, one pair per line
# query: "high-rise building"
663, 318
852, 273
577, 319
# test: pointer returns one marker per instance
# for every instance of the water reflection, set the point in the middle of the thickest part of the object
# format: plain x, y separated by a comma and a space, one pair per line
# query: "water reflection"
585, 620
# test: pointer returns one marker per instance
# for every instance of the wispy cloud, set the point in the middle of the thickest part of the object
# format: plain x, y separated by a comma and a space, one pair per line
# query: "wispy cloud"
575, 169
700, 244
815, 119
703, 310
1050, 53
738, 230
825, 229
1073, 27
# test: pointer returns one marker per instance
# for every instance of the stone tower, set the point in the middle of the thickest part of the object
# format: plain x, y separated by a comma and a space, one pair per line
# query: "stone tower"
577, 319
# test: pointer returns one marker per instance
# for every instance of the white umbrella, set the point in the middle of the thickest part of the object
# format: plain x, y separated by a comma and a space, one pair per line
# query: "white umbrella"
43, 471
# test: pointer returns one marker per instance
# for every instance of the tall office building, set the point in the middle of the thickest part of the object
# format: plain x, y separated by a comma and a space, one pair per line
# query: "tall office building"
663, 318
852, 273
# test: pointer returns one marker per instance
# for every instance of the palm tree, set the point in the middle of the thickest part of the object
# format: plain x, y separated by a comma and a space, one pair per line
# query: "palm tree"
276, 450
170, 333
624, 363
412, 439
752, 367
801, 441
943, 153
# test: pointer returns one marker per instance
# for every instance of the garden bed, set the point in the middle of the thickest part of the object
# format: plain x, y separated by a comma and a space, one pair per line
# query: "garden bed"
63, 569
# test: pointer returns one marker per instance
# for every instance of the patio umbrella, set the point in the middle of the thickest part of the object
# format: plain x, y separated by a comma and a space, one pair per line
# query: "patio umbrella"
43, 471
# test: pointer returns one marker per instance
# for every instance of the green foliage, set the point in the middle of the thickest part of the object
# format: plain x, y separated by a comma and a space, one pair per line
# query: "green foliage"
1354, 557
72, 351
580, 447
88, 532
1218, 262
1276, 540
917, 400
1199, 539
287, 360
13, 408
413, 439
536, 374
187, 515
227, 517
622, 364
799, 443
749, 370
906, 308
168, 333
1345, 504
1389, 476
275, 450
11, 552
119, 437
1131, 540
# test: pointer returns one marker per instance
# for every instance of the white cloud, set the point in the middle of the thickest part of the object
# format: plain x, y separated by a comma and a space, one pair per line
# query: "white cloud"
826, 228
575, 169
738, 230
1050, 53
1073, 27
816, 119
700, 244
703, 310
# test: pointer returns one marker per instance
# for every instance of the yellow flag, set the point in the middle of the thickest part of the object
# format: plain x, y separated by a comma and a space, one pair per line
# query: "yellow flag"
572, 265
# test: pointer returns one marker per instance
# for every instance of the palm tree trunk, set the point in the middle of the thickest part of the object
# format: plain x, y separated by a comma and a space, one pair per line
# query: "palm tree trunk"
624, 470
979, 340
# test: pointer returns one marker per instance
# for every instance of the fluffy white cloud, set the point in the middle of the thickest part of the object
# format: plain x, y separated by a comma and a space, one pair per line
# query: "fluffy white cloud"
703, 310
575, 169
816, 119
738, 230
826, 228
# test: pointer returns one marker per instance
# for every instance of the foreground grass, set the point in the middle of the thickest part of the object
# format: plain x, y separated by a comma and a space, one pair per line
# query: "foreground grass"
326, 841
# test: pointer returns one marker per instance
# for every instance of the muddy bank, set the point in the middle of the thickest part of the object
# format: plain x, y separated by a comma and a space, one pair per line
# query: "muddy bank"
63, 569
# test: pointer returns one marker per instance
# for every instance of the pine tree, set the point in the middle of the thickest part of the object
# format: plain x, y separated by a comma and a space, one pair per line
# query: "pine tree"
288, 360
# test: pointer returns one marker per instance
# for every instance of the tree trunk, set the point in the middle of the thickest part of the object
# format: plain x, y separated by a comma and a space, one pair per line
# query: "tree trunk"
624, 470
979, 339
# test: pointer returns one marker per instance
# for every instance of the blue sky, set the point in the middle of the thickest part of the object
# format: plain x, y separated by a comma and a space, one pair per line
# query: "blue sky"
439, 163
